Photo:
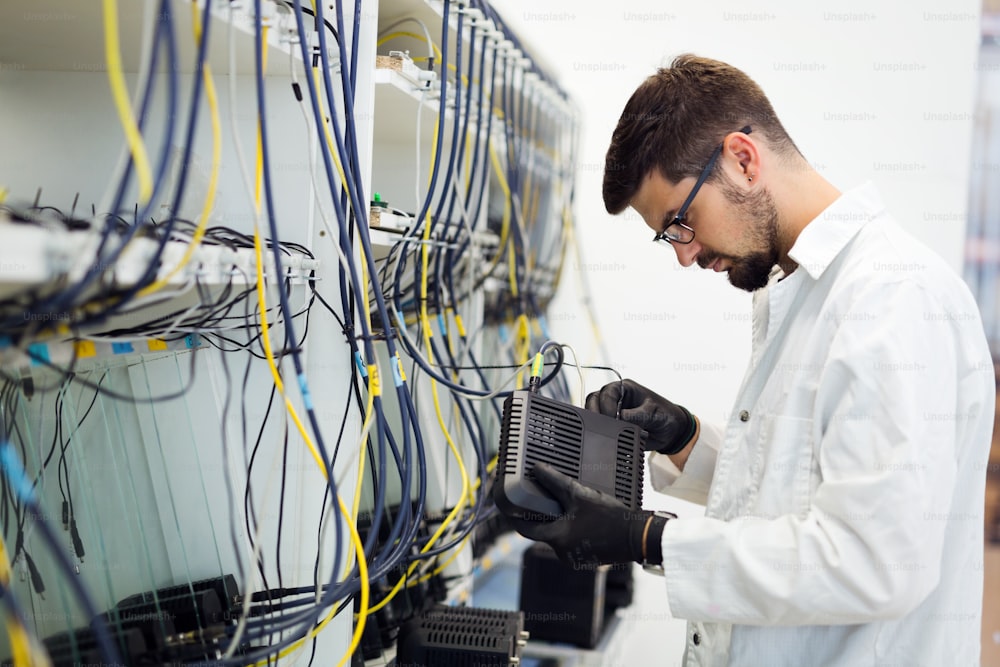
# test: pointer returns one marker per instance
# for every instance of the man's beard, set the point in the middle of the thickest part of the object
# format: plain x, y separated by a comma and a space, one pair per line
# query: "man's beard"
751, 271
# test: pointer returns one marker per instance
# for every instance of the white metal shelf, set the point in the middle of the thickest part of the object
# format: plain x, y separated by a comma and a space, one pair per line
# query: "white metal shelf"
60, 35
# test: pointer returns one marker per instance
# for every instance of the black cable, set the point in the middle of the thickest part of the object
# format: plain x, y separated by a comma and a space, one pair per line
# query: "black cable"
21, 484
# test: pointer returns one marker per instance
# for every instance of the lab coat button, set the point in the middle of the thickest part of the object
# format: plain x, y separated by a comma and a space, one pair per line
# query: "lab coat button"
696, 639
744, 416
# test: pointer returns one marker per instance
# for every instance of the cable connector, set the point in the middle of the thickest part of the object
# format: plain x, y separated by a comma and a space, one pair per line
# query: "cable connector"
77, 542
36, 576
535, 381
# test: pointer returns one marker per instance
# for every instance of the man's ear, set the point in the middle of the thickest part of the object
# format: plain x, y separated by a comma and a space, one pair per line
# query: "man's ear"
741, 158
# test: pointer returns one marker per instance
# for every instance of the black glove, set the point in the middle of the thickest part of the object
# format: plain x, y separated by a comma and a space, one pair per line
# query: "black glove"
595, 528
669, 427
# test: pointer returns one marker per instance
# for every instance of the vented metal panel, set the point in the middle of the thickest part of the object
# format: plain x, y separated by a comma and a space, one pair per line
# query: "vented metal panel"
510, 432
627, 486
461, 637
559, 433
594, 449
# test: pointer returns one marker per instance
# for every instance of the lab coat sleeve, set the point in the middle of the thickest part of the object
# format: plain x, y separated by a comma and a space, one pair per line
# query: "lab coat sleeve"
693, 482
861, 548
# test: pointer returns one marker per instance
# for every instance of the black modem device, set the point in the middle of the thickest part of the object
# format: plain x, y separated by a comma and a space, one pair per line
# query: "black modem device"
601, 452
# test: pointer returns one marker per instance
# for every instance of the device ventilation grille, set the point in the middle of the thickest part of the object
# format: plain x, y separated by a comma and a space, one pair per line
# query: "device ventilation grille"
464, 639
448, 658
557, 434
510, 432
471, 623
626, 467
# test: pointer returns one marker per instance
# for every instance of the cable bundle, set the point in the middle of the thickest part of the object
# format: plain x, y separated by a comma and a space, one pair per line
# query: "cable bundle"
416, 380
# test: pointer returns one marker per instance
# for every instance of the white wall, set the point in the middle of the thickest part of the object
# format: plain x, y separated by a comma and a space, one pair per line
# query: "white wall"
879, 91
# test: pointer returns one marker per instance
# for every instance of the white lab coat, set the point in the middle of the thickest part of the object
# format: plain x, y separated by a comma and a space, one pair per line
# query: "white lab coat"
844, 496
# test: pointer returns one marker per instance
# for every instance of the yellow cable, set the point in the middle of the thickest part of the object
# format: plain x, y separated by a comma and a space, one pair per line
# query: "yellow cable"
512, 267
213, 178
279, 385
20, 643
475, 486
355, 539
356, 504
119, 93
3, 194
404, 33
522, 344
326, 131
440, 568
451, 515
505, 220
426, 326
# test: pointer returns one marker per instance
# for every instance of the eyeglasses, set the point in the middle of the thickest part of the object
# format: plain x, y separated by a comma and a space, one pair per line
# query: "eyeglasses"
676, 231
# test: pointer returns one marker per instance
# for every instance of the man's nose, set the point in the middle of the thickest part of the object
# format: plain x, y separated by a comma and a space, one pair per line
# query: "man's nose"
687, 253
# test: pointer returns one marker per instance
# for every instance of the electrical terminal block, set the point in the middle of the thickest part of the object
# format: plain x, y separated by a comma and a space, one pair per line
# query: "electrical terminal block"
381, 216
400, 62
464, 637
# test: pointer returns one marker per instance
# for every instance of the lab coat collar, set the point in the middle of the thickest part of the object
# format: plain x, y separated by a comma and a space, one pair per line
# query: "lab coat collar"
825, 236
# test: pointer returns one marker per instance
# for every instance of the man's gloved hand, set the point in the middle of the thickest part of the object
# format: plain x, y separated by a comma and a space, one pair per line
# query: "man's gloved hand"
594, 529
669, 426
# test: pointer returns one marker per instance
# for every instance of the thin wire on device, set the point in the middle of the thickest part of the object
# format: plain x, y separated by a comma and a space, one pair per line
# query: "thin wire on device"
579, 372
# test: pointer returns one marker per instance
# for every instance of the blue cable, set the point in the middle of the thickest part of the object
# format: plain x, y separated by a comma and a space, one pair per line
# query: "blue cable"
21, 485
63, 300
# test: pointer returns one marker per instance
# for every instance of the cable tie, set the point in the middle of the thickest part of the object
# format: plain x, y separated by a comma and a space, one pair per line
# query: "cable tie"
536, 366
397, 371
304, 388
15, 473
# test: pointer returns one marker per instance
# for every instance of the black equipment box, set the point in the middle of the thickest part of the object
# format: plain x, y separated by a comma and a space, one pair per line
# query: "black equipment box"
561, 603
598, 451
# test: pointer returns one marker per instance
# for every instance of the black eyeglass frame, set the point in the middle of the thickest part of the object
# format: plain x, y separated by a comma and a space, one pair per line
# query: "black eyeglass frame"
679, 217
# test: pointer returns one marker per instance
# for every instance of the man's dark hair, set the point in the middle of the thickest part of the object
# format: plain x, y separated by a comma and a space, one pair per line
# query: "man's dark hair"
677, 117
